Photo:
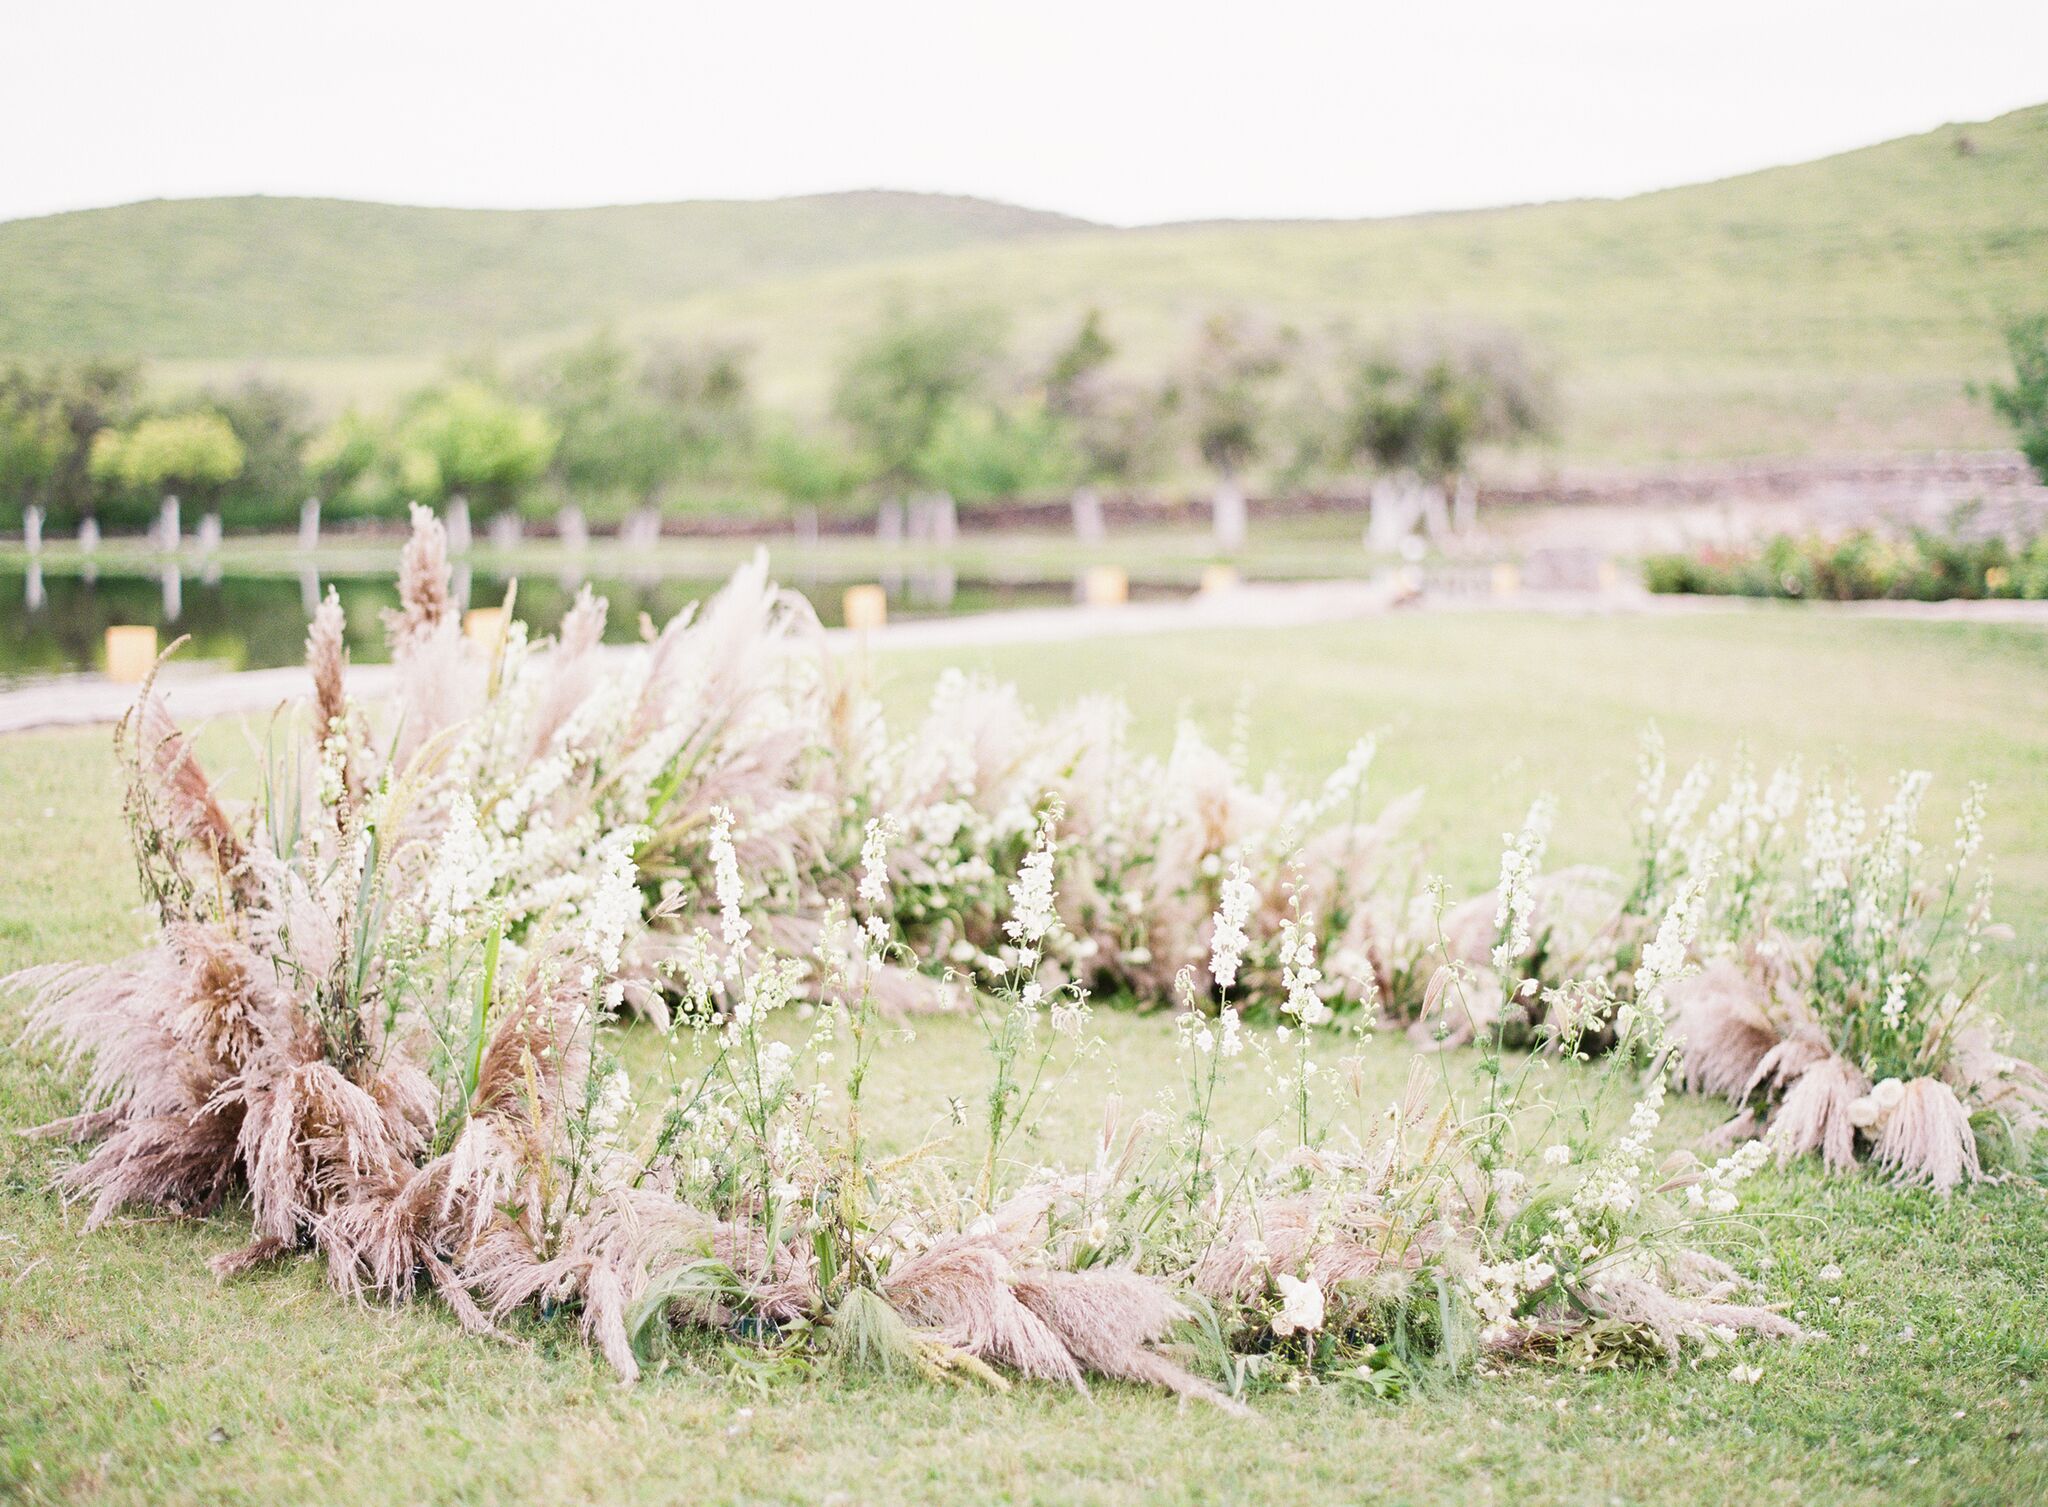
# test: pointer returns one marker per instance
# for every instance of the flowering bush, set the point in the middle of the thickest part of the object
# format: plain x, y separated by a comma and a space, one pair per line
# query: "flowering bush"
1925, 566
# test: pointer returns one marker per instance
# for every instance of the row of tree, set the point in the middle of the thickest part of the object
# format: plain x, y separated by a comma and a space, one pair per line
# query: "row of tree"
924, 402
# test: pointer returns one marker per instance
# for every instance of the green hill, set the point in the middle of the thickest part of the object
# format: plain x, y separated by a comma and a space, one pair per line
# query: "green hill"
1843, 304
325, 277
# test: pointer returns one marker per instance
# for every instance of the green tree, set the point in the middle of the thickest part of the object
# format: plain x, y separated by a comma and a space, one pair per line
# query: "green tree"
2023, 402
618, 448
983, 453
352, 466
33, 443
706, 397
193, 454
67, 405
806, 470
1425, 408
900, 382
1228, 392
469, 440
270, 420
1115, 428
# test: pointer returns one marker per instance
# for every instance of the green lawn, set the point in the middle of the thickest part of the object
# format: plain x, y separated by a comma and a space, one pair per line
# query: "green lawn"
126, 1374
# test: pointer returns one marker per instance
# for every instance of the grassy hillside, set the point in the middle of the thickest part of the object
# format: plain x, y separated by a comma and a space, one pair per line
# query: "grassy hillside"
1838, 305
324, 277
1841, 304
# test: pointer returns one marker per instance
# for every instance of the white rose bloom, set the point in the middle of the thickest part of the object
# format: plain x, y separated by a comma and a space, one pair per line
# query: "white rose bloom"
1301, 1306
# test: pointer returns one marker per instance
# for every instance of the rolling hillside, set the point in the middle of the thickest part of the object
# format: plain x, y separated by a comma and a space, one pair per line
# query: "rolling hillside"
1838, 305
324, 277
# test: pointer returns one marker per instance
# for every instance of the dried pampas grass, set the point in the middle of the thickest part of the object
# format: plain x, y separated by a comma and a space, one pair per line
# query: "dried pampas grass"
1926, 1140
1723, 1033
1814, 1114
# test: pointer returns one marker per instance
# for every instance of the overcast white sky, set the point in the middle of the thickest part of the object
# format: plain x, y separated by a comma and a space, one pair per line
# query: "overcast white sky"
1121, 112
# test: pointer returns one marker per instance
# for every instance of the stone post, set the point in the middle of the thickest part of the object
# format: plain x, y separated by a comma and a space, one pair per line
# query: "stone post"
1228, 515
1087, 509
572, 529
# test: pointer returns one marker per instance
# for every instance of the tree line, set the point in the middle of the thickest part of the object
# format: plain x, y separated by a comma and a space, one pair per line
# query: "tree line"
924, 401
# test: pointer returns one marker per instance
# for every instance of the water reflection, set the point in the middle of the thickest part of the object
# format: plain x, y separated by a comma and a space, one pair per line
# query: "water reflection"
237, 622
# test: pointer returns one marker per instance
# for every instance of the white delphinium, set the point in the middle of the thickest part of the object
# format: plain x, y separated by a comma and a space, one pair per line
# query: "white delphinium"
1497, 1289
462, 875
733, 926
612, 907
1969, 827
1834, 827
1231, 1027
608, 1105
1650, 775
1612, 1187
1298, 971
1888, 865
1894, 1009
1781, 797
1667, 956
1032, 903
1520, 861
1715, 1190
873, 891
1228, 939
1675, 821
1341, 789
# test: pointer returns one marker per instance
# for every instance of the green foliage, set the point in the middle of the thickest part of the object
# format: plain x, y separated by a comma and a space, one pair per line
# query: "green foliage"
469, 440
33, 442
707, 396
1425, 408
269, 420
807, 470
352, 466
901, 380
2023, 402
617, 444
1862, 566
983, 453
196, 452
68, 404
1229, 386
1117, 426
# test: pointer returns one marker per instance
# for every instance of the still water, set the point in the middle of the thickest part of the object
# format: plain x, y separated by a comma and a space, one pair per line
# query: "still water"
54, 624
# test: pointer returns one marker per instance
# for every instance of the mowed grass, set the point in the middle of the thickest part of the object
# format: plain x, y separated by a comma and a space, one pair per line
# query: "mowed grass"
126, 1374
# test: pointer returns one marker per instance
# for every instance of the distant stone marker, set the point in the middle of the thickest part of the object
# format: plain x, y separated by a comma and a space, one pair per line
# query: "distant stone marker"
1087, 508
1228, 515
572, 529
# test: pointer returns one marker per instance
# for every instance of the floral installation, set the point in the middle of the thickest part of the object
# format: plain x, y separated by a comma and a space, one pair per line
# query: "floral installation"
393, 1001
